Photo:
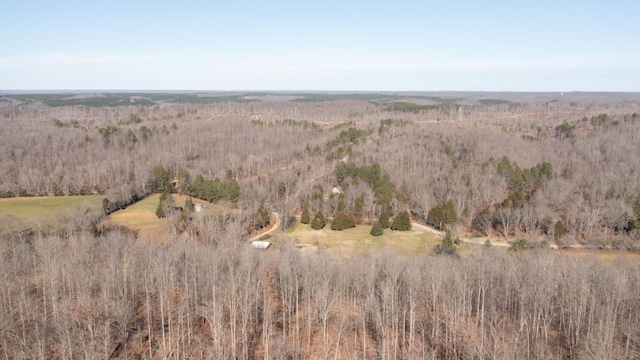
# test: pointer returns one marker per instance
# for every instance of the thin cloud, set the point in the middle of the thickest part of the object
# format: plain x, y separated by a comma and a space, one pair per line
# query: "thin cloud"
75, 59
276, 67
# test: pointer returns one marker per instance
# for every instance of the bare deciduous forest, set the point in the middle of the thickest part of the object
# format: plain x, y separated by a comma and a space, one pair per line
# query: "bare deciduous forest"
546, 168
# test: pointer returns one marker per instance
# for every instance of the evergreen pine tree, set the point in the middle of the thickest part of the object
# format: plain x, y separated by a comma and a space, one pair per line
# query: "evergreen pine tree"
338, 222
305, 218
160, 210
376, 229
318, 221
401, 222
165, 203
162, 179
106, 206
262, 218
384, 220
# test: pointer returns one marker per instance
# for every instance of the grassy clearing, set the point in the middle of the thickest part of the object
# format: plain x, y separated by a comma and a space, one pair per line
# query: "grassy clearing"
46, 207
141, 216
359, 239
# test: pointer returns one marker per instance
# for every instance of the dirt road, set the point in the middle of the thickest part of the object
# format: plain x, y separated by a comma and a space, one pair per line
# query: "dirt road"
464, 240
271, 229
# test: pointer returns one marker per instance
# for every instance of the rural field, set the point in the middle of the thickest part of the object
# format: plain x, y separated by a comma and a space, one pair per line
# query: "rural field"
154, 260
140, 216
359, 239
45, 207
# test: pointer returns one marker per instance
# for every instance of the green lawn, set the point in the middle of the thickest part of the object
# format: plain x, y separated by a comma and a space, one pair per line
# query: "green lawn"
45, 207
358, 238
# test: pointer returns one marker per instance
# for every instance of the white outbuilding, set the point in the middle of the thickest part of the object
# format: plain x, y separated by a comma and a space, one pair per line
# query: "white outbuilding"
262, 245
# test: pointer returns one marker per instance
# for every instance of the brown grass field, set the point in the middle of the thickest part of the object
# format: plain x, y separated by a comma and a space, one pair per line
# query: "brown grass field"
141, 216
359, 239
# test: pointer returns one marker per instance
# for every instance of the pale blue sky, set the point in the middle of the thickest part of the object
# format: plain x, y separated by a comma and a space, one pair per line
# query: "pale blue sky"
321, 45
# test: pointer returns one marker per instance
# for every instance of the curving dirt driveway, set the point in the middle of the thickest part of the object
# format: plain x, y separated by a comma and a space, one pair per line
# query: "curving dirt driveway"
464, 240
271, 229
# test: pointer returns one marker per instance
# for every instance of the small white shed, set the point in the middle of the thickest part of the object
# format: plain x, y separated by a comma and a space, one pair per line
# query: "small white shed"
262, 245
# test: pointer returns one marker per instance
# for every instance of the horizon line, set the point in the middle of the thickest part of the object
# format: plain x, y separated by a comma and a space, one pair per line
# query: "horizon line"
33, 91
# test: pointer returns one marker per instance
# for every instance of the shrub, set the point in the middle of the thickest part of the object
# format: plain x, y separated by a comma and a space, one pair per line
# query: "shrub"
560, 230
446, 247
520, 244
376, 229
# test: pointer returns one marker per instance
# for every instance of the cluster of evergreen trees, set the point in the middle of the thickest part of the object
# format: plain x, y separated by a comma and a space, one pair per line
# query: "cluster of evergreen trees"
442, 215
402, 222
343, 221
522, 184
381, 185
213, 190
318, 222
524, 181
210, 190
383, 191
347, 137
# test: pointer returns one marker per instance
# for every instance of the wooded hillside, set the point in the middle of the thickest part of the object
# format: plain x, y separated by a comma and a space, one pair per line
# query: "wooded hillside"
524, 165
536, 168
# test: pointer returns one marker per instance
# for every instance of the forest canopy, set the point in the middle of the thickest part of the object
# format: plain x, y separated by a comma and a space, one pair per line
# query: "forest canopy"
515, 166
216, 170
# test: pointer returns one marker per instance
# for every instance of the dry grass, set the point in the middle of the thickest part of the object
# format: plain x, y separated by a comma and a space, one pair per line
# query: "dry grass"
46, 207
141, 216
604, 255
359, 239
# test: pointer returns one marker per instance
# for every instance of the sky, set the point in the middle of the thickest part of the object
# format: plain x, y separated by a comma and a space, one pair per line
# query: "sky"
321, 45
